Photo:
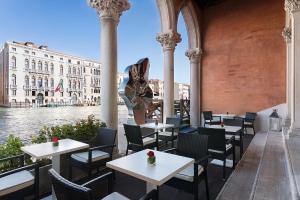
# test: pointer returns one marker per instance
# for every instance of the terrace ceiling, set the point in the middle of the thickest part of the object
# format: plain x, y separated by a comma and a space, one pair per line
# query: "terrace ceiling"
207, 3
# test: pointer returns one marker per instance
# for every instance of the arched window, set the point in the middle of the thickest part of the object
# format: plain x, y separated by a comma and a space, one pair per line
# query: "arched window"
74, 84
78, 71
52, 68
33, 81
26, 63
40, 82
92, 80
46, 82
79, 85
46, 67
69, 70
13, 79
70, 84
33, 64
61, 71
52, 82
40, 66
74, 70
26, 81
13, 62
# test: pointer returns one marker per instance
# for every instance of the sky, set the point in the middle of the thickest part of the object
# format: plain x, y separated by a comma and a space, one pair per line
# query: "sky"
72, 27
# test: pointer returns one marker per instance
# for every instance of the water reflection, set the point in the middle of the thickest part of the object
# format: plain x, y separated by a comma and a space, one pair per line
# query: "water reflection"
24, 122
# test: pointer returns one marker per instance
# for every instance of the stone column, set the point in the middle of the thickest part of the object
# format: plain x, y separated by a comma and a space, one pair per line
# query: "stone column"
293, 8
168, 41
194, 55
109, 12
286, 33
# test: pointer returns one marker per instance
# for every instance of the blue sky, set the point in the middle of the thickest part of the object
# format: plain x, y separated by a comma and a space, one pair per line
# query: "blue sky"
72, 27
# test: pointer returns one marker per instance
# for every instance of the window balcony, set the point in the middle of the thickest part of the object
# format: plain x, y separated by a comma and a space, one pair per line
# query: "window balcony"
13, 86
26, 87
33, 87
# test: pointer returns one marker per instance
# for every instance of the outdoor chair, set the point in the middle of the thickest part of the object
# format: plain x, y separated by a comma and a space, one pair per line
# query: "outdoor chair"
218, 147
170, 134
97, 156
249, 121
67, 190
238, 139
210, 119
192, 146
136, 141
20, 182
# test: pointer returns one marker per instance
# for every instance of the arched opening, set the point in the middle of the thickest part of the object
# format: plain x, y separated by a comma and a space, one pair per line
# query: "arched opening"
40, 99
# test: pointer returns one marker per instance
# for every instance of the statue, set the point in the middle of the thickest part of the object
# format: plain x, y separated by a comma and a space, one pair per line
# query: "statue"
136, 92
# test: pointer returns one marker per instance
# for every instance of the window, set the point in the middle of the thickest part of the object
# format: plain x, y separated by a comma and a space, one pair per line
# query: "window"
46, 93
69, 70
40, 82
26, 81
46, 82
84, 70
13, 79
52, 82
46, 56
61, 59
84, 90
78, 62
51, 57
70, 84
74, 85
92, 90
27, 93
52, 94
46, 67
33, 83
74, 70
33, 94
13, 49
40, 66
13, 63
33, 64
79, 85
26, 51
62, 94
52, 68
91, 71
69, 61
14, 92
26, 63
61, 71
78, 71
33, 53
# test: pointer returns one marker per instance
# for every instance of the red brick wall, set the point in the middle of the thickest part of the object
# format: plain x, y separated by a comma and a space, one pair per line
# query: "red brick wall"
243, 66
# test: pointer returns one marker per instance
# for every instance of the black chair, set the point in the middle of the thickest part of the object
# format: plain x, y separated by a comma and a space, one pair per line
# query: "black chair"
249, 121
66, 190
218, 147
20, 182
136, 141
170, 134
193, 146
97, 156
210, 119
239, 137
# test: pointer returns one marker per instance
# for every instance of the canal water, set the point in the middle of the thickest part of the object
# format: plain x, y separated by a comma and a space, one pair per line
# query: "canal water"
24, 122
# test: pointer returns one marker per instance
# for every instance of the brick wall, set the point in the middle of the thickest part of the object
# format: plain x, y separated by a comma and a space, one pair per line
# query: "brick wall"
244, 61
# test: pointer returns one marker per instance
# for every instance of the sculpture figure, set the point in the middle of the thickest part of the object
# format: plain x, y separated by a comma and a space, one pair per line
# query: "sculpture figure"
136, 92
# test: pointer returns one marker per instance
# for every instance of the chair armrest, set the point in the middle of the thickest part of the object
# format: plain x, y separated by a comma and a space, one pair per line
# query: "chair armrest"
170, 150
21, 156
97, 180
153, 195
101, 147
231, 140
28, 167
150, 134
203, 160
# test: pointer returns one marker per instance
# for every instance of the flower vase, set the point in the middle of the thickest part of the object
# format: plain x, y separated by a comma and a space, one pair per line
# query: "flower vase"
55, 144
151, 160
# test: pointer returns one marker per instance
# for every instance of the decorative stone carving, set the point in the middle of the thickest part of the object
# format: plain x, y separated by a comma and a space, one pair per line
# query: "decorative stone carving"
109, 8
169, 40
287, 34
194, 54
291, 5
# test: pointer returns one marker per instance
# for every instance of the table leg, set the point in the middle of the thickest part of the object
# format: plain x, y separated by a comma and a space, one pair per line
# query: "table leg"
56, 167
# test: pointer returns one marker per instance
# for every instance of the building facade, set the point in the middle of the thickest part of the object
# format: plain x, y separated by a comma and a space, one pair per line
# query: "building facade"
35, 75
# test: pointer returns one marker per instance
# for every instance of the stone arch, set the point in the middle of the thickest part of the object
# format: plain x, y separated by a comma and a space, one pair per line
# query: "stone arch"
167, 13
191, 19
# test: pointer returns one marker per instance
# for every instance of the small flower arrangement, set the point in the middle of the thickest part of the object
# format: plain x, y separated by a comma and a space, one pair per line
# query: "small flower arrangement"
55, 141
222, 124
151, 157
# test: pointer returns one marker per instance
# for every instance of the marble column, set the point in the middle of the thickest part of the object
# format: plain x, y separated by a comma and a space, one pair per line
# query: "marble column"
293, 8
286, 33
194, 55
109, 12
168, 41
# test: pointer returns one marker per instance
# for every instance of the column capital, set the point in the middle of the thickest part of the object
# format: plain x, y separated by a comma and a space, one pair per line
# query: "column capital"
292, 5
169, 39
109, 8
194, 54
287, 34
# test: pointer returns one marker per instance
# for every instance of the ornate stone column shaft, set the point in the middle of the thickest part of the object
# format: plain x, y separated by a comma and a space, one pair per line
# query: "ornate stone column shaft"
168, 41
194, 55
293, 8
109, 12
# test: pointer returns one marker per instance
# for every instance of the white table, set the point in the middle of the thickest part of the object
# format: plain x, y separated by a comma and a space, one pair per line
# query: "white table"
228, 129
136, 165
46, 150
157, 127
